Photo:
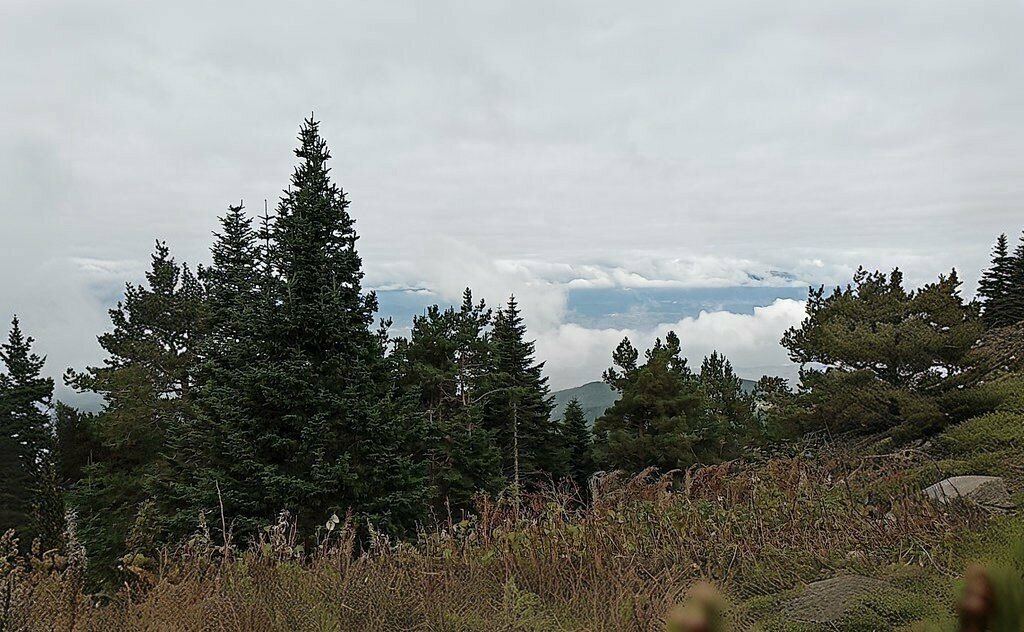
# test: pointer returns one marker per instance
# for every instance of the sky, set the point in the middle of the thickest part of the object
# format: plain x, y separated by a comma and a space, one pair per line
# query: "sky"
555, 150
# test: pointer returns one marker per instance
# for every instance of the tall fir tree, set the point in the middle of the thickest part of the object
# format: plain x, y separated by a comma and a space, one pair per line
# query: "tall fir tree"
659, 419
996, 286
1015, 298
232, 282
148, 385
31, 502
517, 405
207, 443
577, 438
304, 413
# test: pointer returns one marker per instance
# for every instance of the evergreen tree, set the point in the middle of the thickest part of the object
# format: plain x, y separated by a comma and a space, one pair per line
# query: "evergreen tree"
728, 404
302, 406
75, 446
577, 438
148, 385
517, 404
886, 353
660, 419
906, 339
774, 403
15, 485
443, 366
31, 503
232, 283
1014, 310
206, 444
996, 285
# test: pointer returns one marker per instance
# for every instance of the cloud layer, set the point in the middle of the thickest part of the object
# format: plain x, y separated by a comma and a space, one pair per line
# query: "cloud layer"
523, 147
577, 354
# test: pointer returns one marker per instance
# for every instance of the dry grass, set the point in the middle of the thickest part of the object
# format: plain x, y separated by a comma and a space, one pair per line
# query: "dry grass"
550, 562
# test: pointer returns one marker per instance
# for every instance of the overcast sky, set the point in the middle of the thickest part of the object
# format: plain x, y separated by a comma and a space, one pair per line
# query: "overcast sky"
521, 146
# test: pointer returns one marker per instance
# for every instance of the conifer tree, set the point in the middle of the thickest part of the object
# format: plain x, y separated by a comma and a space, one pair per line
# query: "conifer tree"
443, 365
517, 404
30, 501
305, 414
1015, 294
208, 444
773, 408
732, 409
884, 353
15, 483
722, 388
148, 385
660, 419
232, 282
904, 338
75, 445
996, 286
577, 438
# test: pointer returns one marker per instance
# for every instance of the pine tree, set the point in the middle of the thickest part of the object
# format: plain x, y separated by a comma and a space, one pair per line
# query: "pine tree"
774, 405
884, 354
32, 504
442, 367
302, 403
996, 286
732, 409
578, 440
517, 405
75, 446
205, 445
904, 338
1014, 310
660, 419
148, 385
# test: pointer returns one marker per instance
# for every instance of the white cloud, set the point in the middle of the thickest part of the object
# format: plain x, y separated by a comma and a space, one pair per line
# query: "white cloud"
106, 269
576, 354
447, 266
520, 147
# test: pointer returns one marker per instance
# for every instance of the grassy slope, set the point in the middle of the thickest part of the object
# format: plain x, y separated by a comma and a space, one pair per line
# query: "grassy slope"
759, 531
925, 591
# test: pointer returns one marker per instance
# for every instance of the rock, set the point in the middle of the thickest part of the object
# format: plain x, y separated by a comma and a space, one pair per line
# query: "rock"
988, 491
829, 600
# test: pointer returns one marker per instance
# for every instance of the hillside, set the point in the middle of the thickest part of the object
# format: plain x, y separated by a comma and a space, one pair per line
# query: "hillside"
822, 537
597, 397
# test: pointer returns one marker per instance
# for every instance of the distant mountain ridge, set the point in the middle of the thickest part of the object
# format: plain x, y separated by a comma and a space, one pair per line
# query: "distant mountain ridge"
597, 397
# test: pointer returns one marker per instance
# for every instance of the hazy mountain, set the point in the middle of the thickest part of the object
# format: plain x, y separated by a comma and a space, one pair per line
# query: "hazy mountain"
597, 397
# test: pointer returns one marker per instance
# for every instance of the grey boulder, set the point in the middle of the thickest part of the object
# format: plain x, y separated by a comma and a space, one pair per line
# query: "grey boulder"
828, 601
988, 491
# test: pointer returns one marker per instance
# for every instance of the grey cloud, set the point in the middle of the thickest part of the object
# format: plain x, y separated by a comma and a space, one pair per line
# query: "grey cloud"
570, 133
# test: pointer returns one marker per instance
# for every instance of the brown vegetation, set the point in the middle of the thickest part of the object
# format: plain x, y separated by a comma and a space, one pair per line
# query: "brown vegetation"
547, 562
